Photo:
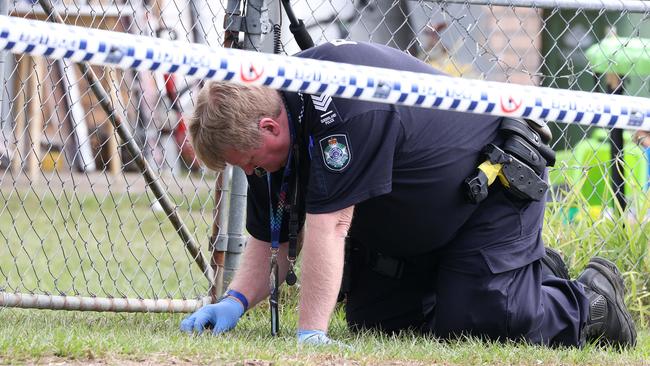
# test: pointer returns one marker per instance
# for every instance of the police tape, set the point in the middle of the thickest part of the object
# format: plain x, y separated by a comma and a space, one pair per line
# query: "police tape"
126, 51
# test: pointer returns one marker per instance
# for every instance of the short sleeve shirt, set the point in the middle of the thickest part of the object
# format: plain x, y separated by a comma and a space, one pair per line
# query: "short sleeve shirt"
401, 167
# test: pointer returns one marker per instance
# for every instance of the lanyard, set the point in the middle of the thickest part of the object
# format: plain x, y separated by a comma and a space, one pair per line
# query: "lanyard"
275, 216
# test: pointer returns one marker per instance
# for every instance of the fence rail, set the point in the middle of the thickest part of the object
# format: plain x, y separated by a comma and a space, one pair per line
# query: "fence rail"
53, 302
631, 6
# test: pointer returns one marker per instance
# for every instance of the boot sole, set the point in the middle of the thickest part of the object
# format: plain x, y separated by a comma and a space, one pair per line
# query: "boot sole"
611, 272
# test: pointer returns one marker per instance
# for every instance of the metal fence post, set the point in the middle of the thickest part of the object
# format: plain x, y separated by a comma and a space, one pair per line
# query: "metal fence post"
236, 217
252, 25
6, 60
255, 24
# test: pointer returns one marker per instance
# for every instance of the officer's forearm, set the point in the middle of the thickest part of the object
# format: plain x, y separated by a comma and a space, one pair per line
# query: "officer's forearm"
322, 267
252, 277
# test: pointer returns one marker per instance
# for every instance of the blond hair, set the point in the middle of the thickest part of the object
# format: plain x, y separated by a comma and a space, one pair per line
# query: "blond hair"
227, 116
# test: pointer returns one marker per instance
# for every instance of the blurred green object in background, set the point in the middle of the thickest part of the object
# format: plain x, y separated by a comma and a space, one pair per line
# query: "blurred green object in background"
587, 168
621, 55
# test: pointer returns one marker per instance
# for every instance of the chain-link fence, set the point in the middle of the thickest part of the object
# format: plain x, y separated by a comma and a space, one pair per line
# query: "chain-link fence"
77, 218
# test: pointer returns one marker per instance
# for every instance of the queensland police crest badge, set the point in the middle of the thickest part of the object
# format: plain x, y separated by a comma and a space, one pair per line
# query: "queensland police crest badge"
336, 152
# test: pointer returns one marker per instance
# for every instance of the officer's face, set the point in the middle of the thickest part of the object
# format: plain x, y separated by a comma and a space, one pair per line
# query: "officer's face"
272, 153
264, 157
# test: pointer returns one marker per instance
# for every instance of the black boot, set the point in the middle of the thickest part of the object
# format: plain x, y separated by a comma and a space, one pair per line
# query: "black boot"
553, 264
609, 320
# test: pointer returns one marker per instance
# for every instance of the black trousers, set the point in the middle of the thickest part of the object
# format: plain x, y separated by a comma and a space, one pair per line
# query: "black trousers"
486, 282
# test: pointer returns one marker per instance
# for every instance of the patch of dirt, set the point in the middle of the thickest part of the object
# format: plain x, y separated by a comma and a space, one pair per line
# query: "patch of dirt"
165, 360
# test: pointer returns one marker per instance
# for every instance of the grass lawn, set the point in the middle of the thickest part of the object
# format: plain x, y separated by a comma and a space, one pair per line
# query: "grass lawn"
43, 336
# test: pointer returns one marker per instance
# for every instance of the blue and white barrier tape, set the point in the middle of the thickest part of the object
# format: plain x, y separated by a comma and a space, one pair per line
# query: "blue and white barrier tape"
122, 50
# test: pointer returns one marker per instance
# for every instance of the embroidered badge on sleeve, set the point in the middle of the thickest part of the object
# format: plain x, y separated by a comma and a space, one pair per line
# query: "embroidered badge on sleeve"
336, 152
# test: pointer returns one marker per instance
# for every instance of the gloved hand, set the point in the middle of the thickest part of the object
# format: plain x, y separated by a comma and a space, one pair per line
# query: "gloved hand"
221, 317
316, 338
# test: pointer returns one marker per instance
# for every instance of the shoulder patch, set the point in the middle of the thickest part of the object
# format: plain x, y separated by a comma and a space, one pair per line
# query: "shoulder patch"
336, 152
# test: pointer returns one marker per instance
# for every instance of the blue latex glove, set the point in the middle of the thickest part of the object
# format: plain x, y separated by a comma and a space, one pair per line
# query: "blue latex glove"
221, 317
314, 337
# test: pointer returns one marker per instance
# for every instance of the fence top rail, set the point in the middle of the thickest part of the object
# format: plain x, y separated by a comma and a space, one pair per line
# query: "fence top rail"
630, 6
126, 51
72, 10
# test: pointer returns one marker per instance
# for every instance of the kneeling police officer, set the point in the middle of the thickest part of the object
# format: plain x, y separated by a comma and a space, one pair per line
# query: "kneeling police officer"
434, 244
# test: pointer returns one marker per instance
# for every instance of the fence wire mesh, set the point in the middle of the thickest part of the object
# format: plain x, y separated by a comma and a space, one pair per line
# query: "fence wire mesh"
76, 217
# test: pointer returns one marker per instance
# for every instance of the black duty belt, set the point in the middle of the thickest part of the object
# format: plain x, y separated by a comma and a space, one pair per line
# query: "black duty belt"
386, 265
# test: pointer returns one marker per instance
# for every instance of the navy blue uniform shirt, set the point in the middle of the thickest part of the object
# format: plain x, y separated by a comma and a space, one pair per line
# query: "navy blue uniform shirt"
402, 167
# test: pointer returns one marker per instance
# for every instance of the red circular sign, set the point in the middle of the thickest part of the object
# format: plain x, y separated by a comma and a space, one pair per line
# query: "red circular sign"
250, 73
510, 104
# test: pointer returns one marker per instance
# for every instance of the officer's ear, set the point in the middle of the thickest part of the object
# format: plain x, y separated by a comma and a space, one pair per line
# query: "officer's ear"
269, 125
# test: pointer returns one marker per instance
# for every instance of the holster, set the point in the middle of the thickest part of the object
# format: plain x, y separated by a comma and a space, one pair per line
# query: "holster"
519, 163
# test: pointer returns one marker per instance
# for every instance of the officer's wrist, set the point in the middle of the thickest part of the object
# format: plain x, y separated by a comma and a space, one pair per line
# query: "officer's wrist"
234, 294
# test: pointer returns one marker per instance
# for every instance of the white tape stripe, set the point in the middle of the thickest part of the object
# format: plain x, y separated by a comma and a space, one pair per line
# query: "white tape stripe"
321, 77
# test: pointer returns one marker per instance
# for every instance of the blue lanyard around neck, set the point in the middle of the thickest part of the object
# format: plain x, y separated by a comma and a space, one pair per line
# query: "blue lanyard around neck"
277, 214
